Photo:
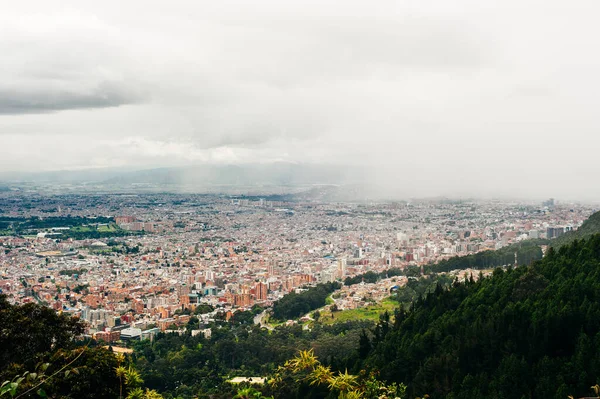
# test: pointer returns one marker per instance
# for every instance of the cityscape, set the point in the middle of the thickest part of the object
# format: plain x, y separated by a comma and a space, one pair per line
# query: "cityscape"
167, 254
315, 199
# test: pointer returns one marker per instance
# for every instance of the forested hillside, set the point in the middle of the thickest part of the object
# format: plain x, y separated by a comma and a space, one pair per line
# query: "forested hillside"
42, 356
529, 332
526, 251
526, 332
590, 227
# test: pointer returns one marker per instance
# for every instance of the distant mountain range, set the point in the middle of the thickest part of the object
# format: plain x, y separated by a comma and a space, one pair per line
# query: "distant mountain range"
201, 176
62, 176
275, 174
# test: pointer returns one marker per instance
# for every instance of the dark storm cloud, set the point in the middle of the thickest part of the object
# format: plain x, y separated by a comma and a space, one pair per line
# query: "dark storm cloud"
39, 100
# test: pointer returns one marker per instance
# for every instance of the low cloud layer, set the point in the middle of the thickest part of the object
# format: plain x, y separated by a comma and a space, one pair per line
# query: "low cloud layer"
425, 97
39, 100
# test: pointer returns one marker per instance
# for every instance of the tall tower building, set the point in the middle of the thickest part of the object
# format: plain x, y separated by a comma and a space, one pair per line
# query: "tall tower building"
341, 268
261, 290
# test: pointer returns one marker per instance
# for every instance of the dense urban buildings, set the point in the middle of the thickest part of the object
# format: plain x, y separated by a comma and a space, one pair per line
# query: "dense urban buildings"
132, 265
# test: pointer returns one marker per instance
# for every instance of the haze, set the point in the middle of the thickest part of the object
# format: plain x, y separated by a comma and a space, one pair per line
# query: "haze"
426, 97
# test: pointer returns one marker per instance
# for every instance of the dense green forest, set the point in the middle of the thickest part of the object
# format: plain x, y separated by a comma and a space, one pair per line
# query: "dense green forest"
527, 251
295, 305
185, 366
589, 228
36, 340
528, 332
373, 277
42, 356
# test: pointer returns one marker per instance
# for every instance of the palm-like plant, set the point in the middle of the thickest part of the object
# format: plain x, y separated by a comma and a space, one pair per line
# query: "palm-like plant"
343, 382
275, 380
250, 393
120, 358
137, 393
351, 395
120, 371
133, 378
303, 361
245, 393
305, 367
152, 394
320, 375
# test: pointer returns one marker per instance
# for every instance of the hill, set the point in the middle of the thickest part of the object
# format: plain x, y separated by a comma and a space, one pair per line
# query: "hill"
527, 251
590, 227
528, 332
44, 356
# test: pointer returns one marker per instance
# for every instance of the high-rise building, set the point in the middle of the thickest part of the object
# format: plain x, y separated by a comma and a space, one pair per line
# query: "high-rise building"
261, 290
341, 268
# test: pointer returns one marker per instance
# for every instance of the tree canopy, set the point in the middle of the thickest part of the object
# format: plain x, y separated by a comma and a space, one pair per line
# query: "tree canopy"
525, 332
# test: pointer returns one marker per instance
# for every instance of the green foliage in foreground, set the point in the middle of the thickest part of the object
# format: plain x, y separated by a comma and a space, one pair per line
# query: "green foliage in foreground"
41, 357
186, 366
527, 332
305, 376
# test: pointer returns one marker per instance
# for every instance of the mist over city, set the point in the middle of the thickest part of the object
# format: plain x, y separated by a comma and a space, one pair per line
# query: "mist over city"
417, 98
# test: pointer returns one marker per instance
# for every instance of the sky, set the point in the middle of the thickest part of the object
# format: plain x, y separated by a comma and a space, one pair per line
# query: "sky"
429, 97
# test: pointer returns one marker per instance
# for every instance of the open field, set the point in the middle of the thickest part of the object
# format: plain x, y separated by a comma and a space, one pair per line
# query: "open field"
108, 228
371, 312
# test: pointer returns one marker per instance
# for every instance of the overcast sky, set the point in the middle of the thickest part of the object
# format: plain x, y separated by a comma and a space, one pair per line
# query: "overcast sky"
440, 96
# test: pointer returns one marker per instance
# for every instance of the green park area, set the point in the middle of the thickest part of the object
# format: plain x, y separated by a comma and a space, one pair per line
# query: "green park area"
63, 227
102, 228
370, 312
112, 227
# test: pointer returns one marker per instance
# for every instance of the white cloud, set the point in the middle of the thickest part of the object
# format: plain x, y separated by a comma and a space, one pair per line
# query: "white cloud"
452, 94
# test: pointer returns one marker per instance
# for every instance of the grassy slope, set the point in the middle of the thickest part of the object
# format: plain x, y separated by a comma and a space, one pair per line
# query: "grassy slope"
371, 312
